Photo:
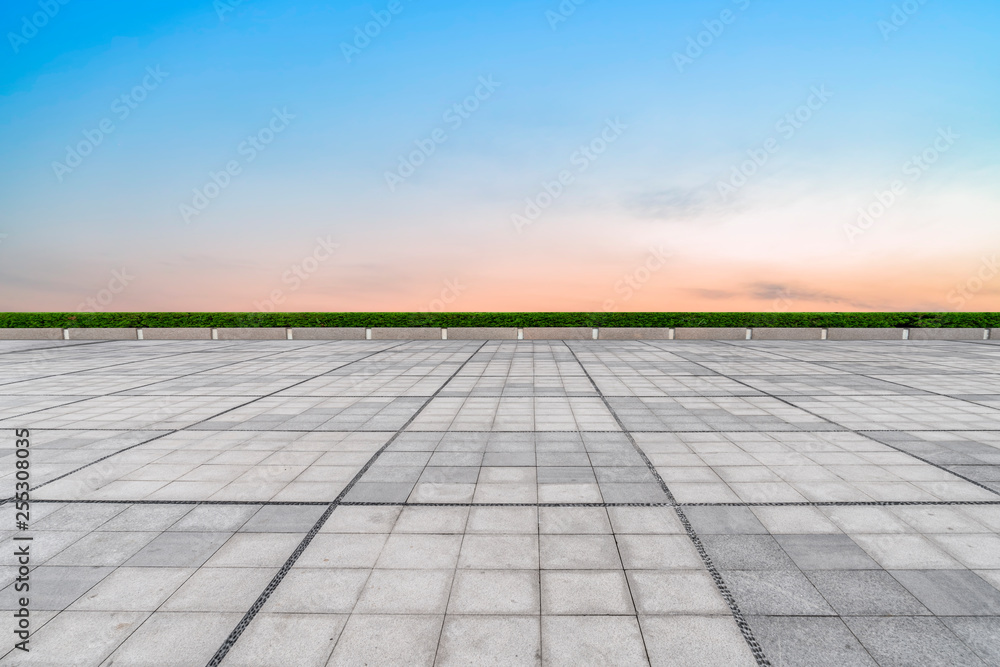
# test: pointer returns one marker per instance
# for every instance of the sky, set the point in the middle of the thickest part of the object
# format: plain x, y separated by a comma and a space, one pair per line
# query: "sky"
527, 155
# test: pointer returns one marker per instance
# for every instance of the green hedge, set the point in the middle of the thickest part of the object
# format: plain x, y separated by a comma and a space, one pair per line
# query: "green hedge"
154, 320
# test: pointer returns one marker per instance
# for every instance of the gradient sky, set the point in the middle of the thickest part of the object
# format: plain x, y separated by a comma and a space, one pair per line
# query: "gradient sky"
640, 226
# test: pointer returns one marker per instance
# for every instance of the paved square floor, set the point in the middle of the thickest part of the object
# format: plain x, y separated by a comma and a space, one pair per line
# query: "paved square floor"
505, 503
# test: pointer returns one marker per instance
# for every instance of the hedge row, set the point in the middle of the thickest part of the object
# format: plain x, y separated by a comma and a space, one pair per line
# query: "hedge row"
154, 320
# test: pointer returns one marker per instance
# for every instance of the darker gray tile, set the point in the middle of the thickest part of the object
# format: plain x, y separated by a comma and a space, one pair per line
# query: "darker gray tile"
565, 459
826, 552
55, 588
724, 521
509, 459
283, 519
624, 475
456, 459
797, 641
450, 475
378, 492
776, 593
982, 635
632, 493
177, 549
746, 552
865, 593
560, 475
909, 641
392, 474
951, 592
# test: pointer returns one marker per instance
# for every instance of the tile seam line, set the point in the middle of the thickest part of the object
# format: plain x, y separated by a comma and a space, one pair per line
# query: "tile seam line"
748, 635
859, 432
158, 437
262, 599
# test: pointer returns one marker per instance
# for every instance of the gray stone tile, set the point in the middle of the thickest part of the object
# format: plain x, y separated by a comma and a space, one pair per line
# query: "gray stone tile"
581, 640
585, 592
803, 641
905, 641
489, 640
387, 640
724, 521
982, 635
688, 641
502, 592
405, 592
690, 592
826, 552
318, 591
287, 639
951, 592
77, 637
746, 552
865, 593
175, 639
53, 588
178, 549
775, 593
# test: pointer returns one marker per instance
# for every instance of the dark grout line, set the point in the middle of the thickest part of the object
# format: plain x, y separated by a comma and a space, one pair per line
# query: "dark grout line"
234, 636
720, 584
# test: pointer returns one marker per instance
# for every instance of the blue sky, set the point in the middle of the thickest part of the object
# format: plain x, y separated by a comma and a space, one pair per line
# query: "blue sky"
786, 232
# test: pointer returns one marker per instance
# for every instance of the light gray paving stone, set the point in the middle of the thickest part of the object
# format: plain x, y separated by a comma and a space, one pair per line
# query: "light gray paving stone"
388, 640
78, 638
694, 641
498, 640
133, 589
287, 639
174, 639
406, 592
502, 592
577, 640
585, 592
319, 591
691, 592
982, 635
